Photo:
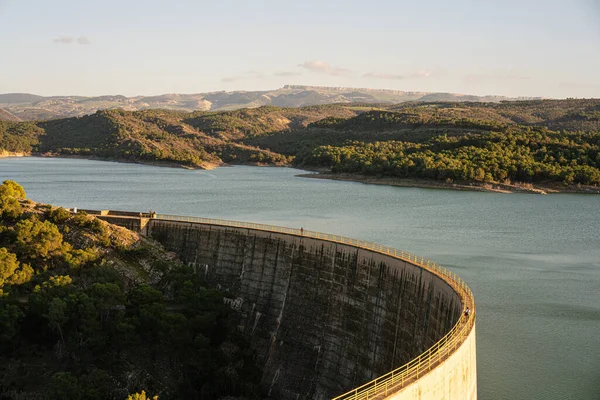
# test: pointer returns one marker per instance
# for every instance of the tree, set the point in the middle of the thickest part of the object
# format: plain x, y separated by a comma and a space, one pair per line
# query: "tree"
58, 281
10, 207
107, 298
12, 189
65, 386
21, 275
9, 320
141, 396
38, 239
8, 265
97, 385
57, 316
144, 294
59, 215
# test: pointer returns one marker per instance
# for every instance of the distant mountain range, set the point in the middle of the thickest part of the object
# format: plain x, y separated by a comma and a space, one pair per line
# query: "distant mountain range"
7, 116
24, 106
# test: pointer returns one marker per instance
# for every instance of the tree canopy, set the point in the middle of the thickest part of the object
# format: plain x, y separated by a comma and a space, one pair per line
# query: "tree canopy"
88, 311
534, 141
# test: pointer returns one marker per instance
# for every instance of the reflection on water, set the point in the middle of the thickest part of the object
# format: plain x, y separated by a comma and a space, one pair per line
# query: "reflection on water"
532, 261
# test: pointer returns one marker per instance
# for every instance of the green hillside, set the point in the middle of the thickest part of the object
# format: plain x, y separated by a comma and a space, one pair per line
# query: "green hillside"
196, 139
93, 311
569, 114
549, 141
534, 142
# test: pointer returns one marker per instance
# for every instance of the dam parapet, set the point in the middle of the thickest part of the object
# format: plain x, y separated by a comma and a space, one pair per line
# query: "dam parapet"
326, 313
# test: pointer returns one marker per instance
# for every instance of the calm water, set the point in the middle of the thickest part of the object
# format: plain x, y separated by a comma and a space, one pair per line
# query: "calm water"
532, 261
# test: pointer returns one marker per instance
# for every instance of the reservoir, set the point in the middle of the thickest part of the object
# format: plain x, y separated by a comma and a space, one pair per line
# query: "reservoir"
532, 261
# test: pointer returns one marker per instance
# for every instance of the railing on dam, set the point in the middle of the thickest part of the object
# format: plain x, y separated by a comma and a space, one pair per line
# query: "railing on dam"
400, 377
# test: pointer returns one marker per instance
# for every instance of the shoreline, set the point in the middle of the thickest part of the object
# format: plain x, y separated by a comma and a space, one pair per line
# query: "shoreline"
7, 154
325, 173
166, 164
465, 186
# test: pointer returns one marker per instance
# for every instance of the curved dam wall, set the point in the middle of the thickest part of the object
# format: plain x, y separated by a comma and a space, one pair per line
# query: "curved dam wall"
326, 317
454, 378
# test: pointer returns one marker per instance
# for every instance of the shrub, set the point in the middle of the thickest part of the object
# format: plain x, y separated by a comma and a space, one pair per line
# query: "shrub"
37, 239
12, 189
59, 215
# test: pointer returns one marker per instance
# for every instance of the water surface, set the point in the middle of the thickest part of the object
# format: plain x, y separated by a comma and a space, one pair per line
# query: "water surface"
532, 261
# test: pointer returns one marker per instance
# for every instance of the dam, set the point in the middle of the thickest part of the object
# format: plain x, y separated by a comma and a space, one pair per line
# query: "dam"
331, 317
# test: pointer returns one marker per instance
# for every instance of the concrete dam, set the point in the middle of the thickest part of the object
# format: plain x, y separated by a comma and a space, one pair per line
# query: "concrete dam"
331, 317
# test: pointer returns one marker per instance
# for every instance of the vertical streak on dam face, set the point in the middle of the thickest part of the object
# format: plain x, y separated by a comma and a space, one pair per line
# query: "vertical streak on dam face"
323, 317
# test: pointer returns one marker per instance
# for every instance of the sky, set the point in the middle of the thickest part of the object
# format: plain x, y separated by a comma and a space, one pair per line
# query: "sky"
541, 48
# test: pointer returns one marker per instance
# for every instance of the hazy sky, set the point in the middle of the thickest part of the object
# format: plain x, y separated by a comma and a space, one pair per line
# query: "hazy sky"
517, 48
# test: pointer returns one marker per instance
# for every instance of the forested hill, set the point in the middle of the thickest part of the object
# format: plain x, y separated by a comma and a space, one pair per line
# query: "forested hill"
540, 141
199, 139
93, 311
